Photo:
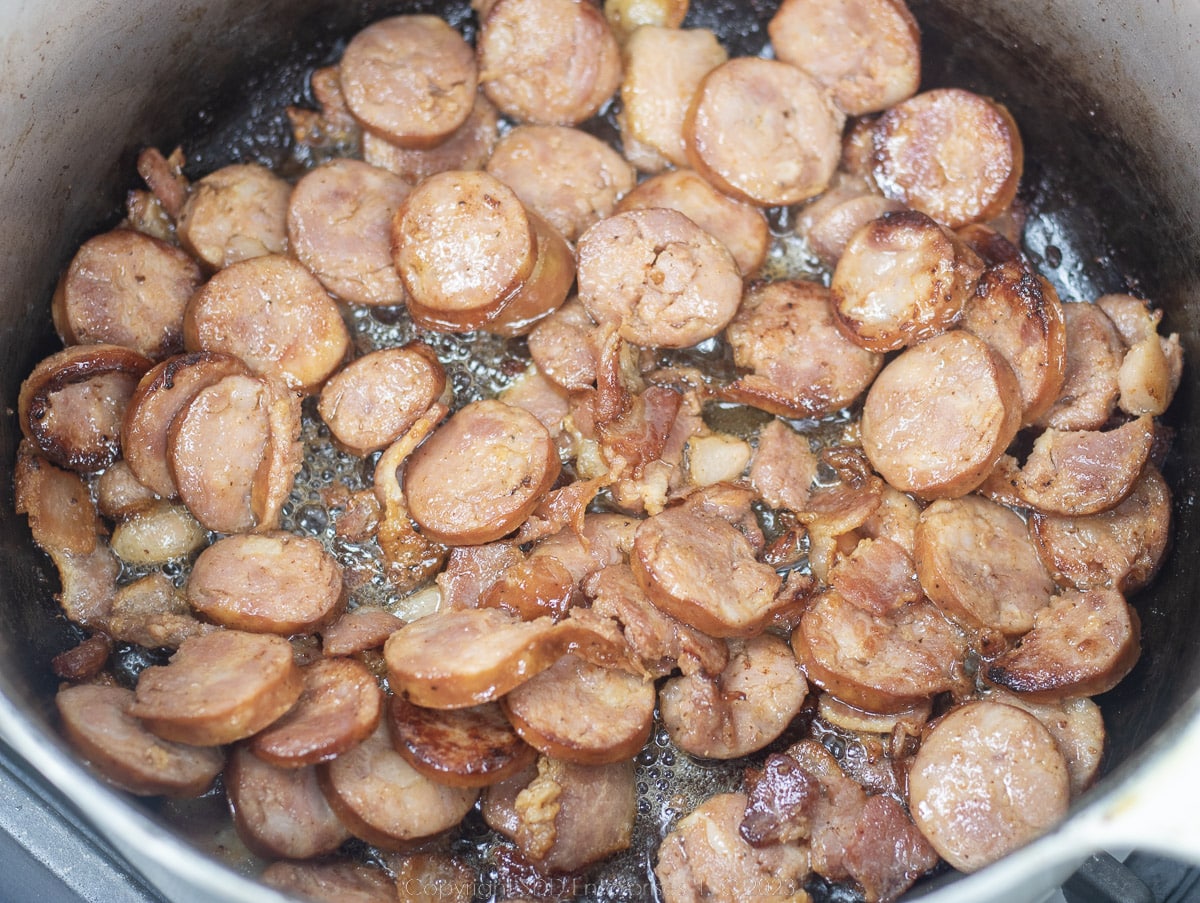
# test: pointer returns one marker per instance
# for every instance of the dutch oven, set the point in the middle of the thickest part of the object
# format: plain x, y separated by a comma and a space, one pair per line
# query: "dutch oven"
1105, 93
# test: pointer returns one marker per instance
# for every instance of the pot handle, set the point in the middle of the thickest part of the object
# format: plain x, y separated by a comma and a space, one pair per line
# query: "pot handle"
1156, 809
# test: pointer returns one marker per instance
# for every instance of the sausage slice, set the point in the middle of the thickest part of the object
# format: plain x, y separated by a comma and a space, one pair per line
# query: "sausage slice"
580, 712
468, 747
564, 347
338, 708
1090, 386
468, 148
763, 131
235, 213
660, 278
381, 799
219, 687
410, 79
97, 723
481, 474
988, 779
952, 388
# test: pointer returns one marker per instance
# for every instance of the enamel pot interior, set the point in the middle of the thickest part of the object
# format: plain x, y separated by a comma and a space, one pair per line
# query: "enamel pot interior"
1104, 93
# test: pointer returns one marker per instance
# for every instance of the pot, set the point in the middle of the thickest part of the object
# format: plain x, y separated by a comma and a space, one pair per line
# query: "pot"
1105, 93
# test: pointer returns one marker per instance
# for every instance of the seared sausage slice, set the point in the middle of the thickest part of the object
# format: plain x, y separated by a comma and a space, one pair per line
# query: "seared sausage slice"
375, 399
280, 812
97, 723
584, 713
880, 664
740, 227
702, 570
878, 576
454, 659
219, 687
410, 79
468, 148
549, 62
62, 515
1076, 473
705, 857
1122, 547
1019, 315
73, 403
569, 177
273, 314
340, 224
468, 747
164, 391
988, 779
1082, 644
472, 257
953, 388
929, 275
384, 801
481, 474
273, 582
227, 493
1090, 386
949, 153
659, 277
742, 709
339, 707
563, 347
331, 882
235, 213
763, 131
976, 561
663, 69
362, 628
125, 288
800, 363
866, 53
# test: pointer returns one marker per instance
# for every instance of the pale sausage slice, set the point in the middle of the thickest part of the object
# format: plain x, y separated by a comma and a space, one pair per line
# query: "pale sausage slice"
740, 227
549, 62
571, 178
97, 723
831, 220
988, 779
273, 582
219, 687
472, 257
125, 288
375, 399
362, 628
454, 659
702, 570
468, 747
1122, 547
663, 69
902, 279
1082, 644
481, 474
1019, 315
1090, 386
950, 153
411, 79
763, 131
331, 882
164, 391
660, 278
273, 314
705, 856
584, 713
280, 812
939, 416
564, 347
976, 561
338, 708
800, 363
383, 800
880, 664
73, 403
339, 226
235, 213
468, 148
742, 709
230, 493
867, 53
